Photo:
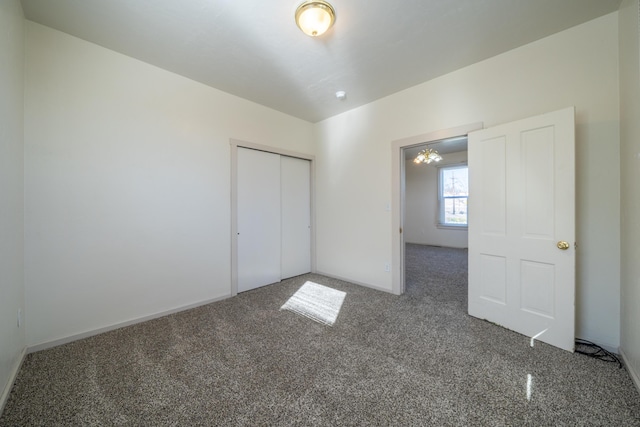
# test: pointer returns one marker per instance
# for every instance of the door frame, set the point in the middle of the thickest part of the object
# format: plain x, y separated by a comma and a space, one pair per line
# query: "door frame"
398, 193
234, 145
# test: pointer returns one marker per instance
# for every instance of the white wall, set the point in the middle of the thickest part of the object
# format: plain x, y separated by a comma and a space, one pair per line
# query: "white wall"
127, 181
12, 338
421, 205
577, 67
630, 177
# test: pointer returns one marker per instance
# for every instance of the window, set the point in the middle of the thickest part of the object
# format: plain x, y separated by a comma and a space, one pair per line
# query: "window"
453, 184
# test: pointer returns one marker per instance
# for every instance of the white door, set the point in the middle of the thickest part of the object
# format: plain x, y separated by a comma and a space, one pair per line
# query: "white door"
296, 216
522, 226
259, 233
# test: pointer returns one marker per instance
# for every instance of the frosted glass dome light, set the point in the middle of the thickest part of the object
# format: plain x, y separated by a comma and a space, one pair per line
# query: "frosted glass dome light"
314, 18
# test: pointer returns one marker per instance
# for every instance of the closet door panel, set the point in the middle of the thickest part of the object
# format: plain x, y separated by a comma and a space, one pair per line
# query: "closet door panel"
259, 219
296, 216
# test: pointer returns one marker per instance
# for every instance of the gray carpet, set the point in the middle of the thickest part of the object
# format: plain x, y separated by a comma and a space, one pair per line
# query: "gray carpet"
412, 360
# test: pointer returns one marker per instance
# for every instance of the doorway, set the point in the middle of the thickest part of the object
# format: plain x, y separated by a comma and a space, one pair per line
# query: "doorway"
521, 261
400, 150
435, 221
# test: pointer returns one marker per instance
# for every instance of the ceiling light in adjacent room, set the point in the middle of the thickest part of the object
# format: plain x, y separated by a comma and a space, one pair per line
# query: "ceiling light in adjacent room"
315, 17
427, 156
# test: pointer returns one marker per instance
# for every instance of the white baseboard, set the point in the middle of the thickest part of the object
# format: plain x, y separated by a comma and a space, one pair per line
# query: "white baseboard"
366, 285
635, 376
12, 379
437, 246
87, 334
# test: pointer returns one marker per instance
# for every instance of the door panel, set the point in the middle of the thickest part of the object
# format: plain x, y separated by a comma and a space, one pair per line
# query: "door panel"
522, 202
494, 187
536, 288
493, 286
539, 191
296, 216
259, 234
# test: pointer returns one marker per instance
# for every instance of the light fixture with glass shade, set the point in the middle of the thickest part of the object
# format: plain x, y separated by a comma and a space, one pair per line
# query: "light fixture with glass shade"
315, 17
427, 156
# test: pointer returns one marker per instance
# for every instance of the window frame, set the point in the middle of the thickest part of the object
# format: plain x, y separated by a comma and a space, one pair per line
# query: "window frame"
440, 223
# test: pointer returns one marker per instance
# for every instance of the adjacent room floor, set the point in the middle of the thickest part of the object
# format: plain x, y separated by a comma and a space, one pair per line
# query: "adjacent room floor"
415, 359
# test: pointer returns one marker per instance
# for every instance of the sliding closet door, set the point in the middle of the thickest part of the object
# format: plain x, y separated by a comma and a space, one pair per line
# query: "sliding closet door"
259, 219
296, 216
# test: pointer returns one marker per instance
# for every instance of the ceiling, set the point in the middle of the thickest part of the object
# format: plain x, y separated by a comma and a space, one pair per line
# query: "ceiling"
253, 48
443, 147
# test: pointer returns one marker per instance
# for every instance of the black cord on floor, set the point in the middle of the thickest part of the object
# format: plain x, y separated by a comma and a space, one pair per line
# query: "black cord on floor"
594, 350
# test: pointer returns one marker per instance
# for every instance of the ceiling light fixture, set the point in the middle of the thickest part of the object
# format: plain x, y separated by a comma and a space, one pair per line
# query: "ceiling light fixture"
315, 17
427, 156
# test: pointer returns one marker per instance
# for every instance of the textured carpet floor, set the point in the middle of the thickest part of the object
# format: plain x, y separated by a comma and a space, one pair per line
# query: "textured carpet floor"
412, 360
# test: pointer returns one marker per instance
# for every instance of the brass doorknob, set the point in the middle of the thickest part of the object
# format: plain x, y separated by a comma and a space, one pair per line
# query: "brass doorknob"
563, 245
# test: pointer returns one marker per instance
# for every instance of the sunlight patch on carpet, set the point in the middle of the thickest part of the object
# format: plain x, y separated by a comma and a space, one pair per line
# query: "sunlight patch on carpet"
317, 302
